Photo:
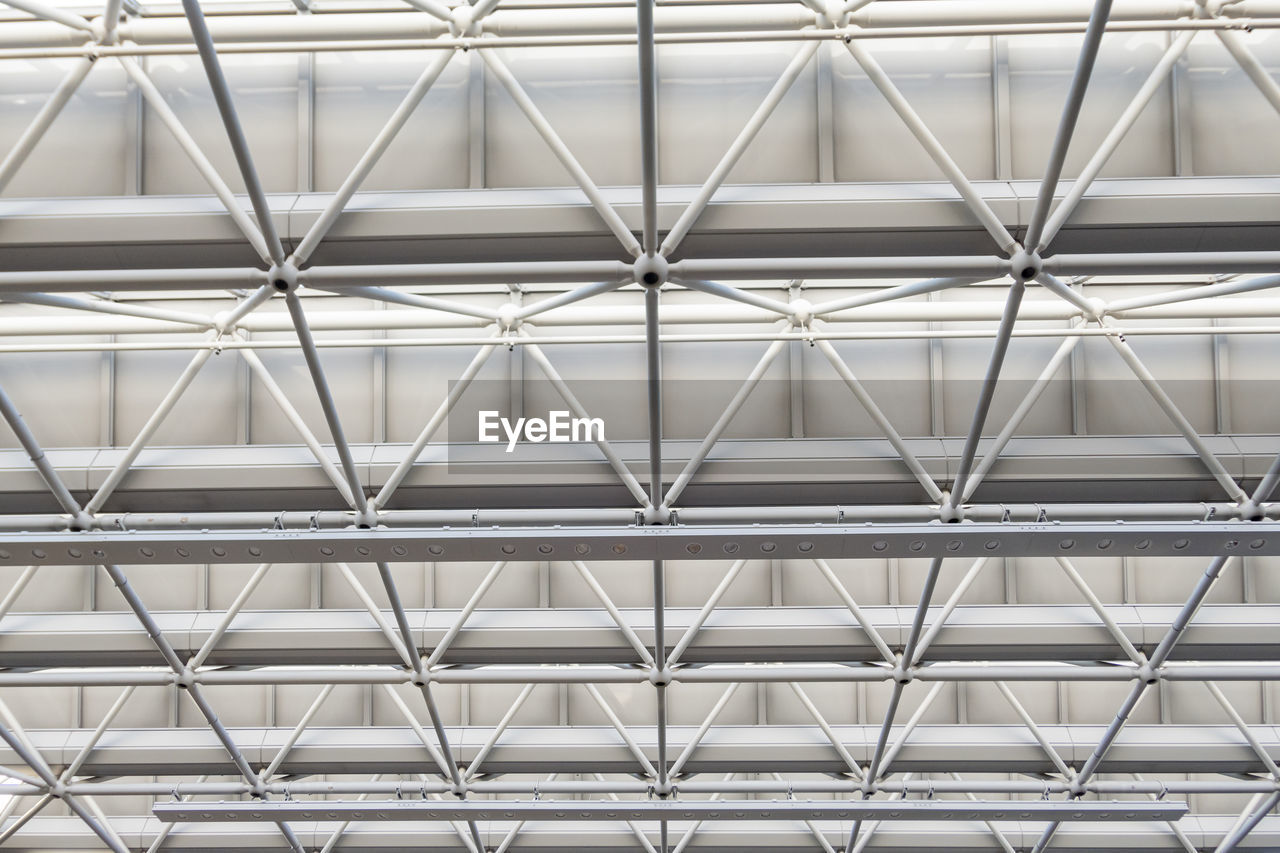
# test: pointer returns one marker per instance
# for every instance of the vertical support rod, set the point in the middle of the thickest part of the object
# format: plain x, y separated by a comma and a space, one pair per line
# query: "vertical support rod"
648, 125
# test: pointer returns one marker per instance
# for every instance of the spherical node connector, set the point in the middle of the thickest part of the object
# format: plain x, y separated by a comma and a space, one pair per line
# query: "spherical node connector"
283, 277
1097, 306
421, 679
1148, 674
459, 790
185, 679
664, 790
508, 317
58, 789
801, 312
83, 521
462, 21
950, 514
1251, 510
259, 790
368, 519
657, 515
903, 674
832, 15
649, 270
660, 677
1025, 265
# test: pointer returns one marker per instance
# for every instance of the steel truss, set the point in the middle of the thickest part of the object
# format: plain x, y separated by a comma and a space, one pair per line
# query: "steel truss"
869, 772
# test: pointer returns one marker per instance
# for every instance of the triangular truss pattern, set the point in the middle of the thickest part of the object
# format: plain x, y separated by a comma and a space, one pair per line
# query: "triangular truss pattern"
658, 640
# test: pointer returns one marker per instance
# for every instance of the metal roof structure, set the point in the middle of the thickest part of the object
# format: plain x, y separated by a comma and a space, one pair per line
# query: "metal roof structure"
930, 350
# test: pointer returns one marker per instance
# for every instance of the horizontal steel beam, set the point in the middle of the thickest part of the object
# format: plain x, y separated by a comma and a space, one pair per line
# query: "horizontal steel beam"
675, 810
162, 29
1021, 632
540, 750
850, 540
1204, 831
751, 221
1134, 478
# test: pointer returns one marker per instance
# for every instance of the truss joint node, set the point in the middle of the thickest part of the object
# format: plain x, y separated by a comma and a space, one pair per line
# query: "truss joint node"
657, 515
660, 676
650, 270
1024, 265
283, 277
949, 514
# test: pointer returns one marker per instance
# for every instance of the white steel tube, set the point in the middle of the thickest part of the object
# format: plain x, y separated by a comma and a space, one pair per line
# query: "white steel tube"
1188, 294
568, 297
235, 133
370, 158
746, 297
111, 20
1257, 72
579, 411
153, 423
276, 393
1036, 731
292, 739
561, 151
485, 584
473, 768
158, 105
1179, 420
994, 366
412, 720
827, 730
1114, 629
41, 462
396, 641
1109, 145
603, 597
106, 306
612, 717
912, 722
702, 730
1019, 415
985, 215
883, 423
52, 13
1240, 724
692, 631
903, 291
456, 390
327, 404
722, 423
43, 119
224, 623
736, 149
953, 600
861, 618
648, 77
417, 300
1067, 123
